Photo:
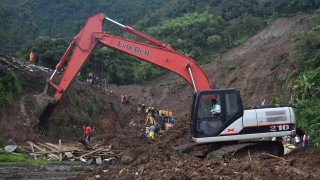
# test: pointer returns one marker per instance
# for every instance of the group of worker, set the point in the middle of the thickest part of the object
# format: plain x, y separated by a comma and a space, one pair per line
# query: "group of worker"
124, 99
304, 141
95, 80
156, 120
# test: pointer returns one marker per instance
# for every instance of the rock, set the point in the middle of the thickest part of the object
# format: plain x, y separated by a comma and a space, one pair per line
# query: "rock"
127, 158
180, 164
97, 176
207, 163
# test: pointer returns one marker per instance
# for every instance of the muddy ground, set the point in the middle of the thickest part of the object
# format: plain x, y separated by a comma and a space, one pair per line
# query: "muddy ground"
141, 158
54, 171
261, 68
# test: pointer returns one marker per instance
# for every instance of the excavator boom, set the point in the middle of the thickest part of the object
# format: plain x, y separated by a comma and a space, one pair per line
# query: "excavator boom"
158, 53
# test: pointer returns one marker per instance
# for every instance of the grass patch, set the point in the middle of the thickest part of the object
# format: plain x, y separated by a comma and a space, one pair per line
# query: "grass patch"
7, 158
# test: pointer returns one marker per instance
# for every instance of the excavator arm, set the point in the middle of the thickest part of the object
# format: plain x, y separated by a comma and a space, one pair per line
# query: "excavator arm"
157, 53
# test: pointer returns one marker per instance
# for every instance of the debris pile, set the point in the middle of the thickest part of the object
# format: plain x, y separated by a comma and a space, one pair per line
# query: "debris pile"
89, 154
14, 63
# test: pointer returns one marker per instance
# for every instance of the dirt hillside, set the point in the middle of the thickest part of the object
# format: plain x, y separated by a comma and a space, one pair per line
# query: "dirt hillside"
82, 103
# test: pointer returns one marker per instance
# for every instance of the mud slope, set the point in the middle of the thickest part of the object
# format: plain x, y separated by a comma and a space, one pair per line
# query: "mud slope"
80, 104
261, 68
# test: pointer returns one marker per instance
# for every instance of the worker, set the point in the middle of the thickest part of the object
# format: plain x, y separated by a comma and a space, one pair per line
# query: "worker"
89, 78
154, 113
122, 99
87, 133
152, 129
170, 113
305, 139
146, 111
126, 99
216, 108
150, 117
297, 140
164, 115
147, 131
161, 122
32, 57
104, 84
172, 121
139, 108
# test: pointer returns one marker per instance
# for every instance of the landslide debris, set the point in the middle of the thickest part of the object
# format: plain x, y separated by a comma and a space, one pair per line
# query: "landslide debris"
141, 158
81, 103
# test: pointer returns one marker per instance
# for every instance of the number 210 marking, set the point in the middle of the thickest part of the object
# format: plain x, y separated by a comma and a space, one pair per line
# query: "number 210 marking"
280, 128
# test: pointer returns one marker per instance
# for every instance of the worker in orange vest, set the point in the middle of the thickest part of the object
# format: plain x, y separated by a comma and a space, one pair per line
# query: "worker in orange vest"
32, 57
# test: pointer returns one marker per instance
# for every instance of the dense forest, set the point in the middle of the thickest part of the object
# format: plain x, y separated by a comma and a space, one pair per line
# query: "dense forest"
201, 29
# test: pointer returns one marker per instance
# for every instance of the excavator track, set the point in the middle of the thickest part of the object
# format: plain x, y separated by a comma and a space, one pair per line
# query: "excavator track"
229, 150
232, 150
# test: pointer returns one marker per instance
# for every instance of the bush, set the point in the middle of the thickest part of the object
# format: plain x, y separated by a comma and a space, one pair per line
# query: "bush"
10, 85
307, 87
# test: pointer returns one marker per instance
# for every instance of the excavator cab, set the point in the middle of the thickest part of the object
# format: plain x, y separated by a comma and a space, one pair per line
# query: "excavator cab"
213, 111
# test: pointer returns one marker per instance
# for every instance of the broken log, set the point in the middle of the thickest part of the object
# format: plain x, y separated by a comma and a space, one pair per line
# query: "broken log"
36, 146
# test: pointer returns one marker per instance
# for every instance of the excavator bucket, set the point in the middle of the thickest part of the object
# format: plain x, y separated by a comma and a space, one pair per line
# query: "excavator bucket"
37, 109
45, 116
47, 104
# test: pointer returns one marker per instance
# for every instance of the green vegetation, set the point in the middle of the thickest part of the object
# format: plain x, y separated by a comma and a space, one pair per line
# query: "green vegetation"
201, 29
20, 157
307, 85
10, 86
48, 50
6, 157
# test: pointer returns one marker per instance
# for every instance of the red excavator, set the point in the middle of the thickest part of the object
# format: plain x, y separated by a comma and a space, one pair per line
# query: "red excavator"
230, 123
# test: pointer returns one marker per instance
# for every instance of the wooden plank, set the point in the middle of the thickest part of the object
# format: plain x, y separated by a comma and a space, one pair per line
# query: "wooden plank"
60, 154
53, 156
52, 145
87, 154
48, 152
31, 146
49, 147
37, 147
69, 154
63, 148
